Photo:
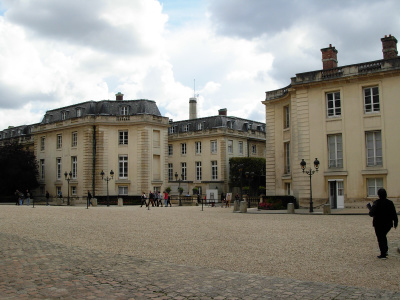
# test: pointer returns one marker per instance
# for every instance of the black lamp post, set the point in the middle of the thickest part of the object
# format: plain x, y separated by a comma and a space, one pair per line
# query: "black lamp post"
250, 176
68, 177
179, 187
107, 179
310, 173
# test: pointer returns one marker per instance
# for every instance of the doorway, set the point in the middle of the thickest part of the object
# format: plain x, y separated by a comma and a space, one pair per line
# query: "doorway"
336, 193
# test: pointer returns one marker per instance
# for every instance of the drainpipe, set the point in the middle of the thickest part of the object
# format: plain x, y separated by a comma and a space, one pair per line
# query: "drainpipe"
94, 162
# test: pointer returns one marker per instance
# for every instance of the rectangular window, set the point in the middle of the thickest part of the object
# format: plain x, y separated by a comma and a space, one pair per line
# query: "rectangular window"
371, 100
170, 150
59, 141
42, 169
286, 117
59, 168
42, 143
288, 188
230, 146
199, 126
124, 110
254, 149
63, 115
78, 112
374, 148
333, 104
240, 147
198, 170
287, 157
123, 137
58, 189
74, 161
172, 129
122, 190
73, 190
214, 170
373, 185
183, 148
183, 169
185, 128
123, 166
170, 172
214, 147
74, 139
335, 151
198, 147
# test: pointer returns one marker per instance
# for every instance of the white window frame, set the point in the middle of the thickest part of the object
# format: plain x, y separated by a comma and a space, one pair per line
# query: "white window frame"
79, 112
198, 147
42, 169
286, 147
183, 148
59, 141
335, 151
124, 110
185, 127
123, 166
373, 185
214, 170
42, 143
170, 149
254, 149
374, 153
198, 171
123, 190
241, 147
170, 172
74, 166
59, 168
184, 170
286, 117
74, 142
371, 100
230, 146
333, 105
73, 190
214, 147
123, 137
199, 126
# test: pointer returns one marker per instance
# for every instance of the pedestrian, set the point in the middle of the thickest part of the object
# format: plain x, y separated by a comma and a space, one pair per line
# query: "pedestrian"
20, 198
16, 197
89, 197
143, 199
165, 199
169, 201
47, 198
228, 200
384, 218
151, 198
222, 199
60, 196
27, 197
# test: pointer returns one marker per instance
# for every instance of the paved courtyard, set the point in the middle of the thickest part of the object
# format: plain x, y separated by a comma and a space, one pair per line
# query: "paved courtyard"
185, 253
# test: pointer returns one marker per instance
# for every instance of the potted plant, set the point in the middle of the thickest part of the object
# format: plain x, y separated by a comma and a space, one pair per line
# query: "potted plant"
168, 190
195, 191
180, 190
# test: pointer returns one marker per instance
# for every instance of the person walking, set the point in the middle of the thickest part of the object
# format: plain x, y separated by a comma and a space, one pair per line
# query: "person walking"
89, 197
27, 197
169, 201
143, 199
47, 198
151, 198
165, 199
384, 218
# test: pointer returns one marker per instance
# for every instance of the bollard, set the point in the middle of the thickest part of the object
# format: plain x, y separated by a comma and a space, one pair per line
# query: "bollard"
94, 202
290, 208
243, 206
120, 202
327, 209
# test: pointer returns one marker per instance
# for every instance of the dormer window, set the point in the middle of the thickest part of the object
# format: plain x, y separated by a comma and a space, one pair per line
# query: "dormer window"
63, 115
200, 126
124, 110
79, 112
185, 128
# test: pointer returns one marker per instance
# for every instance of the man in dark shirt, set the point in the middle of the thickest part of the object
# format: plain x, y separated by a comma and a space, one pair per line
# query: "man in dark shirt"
385, 217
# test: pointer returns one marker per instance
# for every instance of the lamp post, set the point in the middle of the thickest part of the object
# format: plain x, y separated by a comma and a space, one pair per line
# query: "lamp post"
68, 177
107, 179
250, 176
179, 186
310, 173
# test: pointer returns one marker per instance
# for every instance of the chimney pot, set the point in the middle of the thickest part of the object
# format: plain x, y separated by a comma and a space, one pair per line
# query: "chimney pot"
329, 57
119, 96
222, 112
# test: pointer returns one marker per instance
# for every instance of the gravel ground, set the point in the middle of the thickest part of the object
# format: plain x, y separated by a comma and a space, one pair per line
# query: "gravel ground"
339, 249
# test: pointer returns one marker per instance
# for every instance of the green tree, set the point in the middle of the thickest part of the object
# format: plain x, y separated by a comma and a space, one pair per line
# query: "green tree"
238, 166
19, 169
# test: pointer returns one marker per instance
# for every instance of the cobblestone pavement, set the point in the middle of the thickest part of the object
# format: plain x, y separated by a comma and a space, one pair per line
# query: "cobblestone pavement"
34, 269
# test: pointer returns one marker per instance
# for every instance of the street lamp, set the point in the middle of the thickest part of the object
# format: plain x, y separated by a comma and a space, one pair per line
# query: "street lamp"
107, 179
250, 176
179, 187
310, 173
68, 177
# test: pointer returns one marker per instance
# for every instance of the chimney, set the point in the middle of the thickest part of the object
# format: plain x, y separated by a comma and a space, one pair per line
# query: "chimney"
222, 112
192, 108
119, 96
389, 47
329, 57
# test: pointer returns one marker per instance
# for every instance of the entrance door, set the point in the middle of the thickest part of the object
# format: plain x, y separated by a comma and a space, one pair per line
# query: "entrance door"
336, 193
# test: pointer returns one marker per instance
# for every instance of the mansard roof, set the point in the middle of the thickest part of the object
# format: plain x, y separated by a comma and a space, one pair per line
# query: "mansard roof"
104, 108
214, 122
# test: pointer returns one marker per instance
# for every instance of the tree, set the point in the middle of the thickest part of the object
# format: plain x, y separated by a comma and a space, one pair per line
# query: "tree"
19, 169
238, 166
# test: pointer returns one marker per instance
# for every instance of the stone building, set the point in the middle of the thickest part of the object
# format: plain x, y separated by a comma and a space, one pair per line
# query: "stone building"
200, 149
347, 118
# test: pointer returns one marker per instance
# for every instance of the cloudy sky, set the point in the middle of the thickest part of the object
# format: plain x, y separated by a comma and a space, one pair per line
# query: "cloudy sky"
54, 53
